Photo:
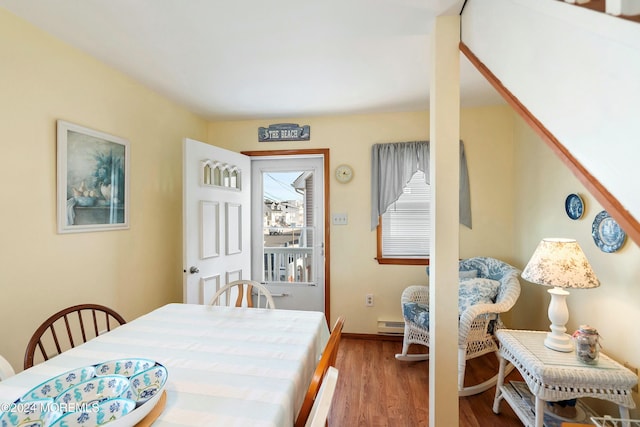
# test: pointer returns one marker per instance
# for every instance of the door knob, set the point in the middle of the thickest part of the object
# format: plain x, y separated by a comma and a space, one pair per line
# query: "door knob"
194, 269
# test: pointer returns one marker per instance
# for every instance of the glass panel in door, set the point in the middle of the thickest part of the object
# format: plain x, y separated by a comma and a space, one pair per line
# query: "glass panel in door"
289, 256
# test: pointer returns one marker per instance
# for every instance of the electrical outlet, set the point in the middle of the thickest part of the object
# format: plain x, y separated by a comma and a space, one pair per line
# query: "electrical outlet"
635, 371
368, 301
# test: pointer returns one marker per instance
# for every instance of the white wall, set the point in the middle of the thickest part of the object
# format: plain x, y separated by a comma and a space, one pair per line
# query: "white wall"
576, 70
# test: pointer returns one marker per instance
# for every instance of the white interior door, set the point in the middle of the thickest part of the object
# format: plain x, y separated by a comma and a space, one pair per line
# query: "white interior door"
288, 229
216, 219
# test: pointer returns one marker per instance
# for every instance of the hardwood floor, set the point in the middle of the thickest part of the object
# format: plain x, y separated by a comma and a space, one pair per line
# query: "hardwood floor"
376, 390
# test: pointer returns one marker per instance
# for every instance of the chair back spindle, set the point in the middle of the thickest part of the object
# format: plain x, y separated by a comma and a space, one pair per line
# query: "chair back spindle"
245, 290
63, 331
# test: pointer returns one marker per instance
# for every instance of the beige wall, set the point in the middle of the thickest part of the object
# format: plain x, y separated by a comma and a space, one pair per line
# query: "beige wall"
543, 183
487, 133
133, 271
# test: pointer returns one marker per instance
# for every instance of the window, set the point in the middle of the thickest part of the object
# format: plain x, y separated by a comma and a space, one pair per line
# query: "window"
404, 229
401, 201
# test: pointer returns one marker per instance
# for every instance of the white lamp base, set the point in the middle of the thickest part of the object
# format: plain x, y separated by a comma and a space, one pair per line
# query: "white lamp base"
558, 312
559, 343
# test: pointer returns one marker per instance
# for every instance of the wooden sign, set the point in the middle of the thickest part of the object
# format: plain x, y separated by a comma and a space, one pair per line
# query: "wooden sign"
284, 132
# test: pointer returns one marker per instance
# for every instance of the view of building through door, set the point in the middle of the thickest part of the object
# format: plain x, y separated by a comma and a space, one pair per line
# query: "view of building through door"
288, 214
285, 226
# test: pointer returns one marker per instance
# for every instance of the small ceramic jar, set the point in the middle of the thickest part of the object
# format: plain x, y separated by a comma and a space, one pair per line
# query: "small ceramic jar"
587, 342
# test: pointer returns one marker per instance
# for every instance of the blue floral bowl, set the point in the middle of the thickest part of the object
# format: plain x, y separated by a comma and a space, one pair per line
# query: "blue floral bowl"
93, 390
39, 412
147, 384
126, 367
97, 414
119, 392
85, 201
56, 385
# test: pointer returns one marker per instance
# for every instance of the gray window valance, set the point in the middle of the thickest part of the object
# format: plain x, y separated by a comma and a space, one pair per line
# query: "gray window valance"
393, 165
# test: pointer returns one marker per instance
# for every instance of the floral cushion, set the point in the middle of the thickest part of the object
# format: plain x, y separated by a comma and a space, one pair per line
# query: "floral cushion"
476, 291
416, 313
471, 291
463, 274
467, 274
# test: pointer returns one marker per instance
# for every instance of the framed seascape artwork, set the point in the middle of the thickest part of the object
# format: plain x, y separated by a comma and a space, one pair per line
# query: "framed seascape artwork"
93, 180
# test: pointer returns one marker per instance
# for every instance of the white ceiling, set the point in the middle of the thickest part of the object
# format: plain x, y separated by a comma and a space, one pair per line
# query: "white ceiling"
252, 59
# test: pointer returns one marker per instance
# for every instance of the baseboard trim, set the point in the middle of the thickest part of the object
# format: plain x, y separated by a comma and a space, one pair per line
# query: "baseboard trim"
376, 337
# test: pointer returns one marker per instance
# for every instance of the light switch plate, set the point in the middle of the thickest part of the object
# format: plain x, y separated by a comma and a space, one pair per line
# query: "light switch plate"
339, 219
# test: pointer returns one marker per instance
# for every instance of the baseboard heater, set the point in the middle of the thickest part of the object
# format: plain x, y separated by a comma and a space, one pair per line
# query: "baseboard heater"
390, 327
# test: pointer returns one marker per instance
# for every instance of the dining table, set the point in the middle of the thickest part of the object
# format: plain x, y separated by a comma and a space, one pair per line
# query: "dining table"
226, 366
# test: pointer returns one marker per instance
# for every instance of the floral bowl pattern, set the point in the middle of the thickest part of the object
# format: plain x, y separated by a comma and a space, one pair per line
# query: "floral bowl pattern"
147, 384
35, 413
126, 367
97, 414
56, 385
91, 396
93, 390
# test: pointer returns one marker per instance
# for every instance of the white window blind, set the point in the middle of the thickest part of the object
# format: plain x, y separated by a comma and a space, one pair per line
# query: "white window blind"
406, 223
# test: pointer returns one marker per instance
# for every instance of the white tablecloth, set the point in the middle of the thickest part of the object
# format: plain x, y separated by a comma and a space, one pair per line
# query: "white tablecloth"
227, 366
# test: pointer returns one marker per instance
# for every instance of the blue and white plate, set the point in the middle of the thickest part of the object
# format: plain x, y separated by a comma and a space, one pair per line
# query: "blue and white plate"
147, 384
574, 206
35, 413
96, 389
126, 367
97, 414
607, 234
56, 385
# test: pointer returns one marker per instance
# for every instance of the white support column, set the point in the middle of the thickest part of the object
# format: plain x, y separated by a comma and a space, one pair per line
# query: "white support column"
444, 178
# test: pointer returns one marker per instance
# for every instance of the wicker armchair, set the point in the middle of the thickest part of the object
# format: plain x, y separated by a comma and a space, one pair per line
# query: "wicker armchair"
477, 322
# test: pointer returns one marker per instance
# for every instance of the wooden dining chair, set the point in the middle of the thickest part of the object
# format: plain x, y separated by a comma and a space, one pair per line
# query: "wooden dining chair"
6, 370
70, 327
322, 405
327, 360
245, 291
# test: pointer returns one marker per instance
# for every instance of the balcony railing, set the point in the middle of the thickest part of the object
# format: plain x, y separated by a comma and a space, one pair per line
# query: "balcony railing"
284, 260
290, 265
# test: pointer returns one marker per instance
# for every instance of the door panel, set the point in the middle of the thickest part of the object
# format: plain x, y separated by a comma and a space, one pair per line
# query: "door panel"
216, 219
288, 229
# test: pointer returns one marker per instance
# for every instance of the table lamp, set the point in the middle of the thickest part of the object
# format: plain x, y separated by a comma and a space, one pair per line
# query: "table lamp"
562, 264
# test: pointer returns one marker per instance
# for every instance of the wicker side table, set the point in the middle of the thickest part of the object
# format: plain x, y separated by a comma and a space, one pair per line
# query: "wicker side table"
553, 375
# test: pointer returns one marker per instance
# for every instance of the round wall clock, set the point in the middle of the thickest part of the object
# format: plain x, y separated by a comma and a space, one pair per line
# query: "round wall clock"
344, 173
607, 234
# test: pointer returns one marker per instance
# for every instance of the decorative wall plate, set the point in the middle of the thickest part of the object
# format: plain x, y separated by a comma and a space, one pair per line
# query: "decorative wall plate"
607, 234
574, 206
